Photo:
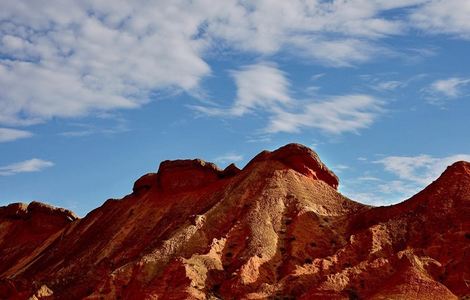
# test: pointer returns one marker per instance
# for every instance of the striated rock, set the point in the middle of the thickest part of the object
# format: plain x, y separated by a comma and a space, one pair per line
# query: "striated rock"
25, 231
182, 175
278, 229
301, 159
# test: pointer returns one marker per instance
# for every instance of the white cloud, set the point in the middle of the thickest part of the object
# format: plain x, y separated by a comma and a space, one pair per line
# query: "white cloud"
410, 174
27, 166
450, 87
443, 16
69, 58
118, 125
338, 169
260, 85
264, 87
413, 173
334, 115
421, 169
229, 158
379, 192
389, 85
9, 134
331, 32
399, 187
368, 178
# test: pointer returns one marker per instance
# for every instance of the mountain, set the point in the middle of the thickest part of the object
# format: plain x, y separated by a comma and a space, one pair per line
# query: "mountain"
277, 229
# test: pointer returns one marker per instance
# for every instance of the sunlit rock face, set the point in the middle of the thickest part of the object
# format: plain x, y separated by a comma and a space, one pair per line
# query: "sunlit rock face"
278, 228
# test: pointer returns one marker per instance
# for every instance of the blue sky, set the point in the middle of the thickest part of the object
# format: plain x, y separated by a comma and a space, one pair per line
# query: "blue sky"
94, 94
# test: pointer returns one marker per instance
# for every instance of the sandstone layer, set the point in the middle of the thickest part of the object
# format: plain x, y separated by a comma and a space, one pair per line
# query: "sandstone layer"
277, 229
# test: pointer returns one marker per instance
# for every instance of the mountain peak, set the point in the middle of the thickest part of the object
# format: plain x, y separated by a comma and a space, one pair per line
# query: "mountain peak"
275, 229
183, 175
457, 169
454, 176
189, 174
186, 174
301, 159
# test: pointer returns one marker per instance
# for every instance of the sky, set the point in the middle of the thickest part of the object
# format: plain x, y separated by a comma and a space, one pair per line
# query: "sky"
94, 94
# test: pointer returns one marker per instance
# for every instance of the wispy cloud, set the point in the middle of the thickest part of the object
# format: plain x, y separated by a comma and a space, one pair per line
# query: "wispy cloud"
409, 175
388, 82
264, 88
9, 134
334, 115
420, 169
259, 86
389, 85
413, 173
339, 168
368, 178
96, 56
228, 158
443, 17
27, 166
118, 125
441, 90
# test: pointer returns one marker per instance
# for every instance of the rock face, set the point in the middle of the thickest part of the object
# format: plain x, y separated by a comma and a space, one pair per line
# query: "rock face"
277, 229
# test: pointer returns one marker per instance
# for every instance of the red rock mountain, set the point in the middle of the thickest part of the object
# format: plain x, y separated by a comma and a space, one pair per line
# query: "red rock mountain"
278, 229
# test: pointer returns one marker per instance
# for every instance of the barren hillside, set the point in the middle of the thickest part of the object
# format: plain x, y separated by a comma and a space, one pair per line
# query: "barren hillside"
276, 229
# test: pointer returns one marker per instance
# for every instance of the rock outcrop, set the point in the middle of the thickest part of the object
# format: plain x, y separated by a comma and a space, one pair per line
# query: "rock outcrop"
277, 229
301, 159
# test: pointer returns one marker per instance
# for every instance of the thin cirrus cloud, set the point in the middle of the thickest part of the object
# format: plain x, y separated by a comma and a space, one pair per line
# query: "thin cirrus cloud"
420, 169
228, 158
27, 166
104, 55
264, 88
410, 174
334, 115
447, 88
10, 134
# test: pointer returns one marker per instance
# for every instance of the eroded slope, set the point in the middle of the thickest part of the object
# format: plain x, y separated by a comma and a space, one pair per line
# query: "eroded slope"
277, 228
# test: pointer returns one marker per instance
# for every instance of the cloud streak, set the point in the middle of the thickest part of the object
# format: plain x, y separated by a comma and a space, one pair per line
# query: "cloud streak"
333, 115
420, 169
410, 174
27, 166
447, 88
263, 87
9, 134
228, 158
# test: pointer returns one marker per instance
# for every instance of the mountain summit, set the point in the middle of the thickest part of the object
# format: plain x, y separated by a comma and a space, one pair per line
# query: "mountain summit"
277, 229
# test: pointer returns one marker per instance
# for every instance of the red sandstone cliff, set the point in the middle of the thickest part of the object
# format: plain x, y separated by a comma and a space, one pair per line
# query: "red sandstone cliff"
276, 229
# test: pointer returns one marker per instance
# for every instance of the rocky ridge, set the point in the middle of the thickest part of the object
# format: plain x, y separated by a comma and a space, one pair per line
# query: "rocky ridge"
278, 228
